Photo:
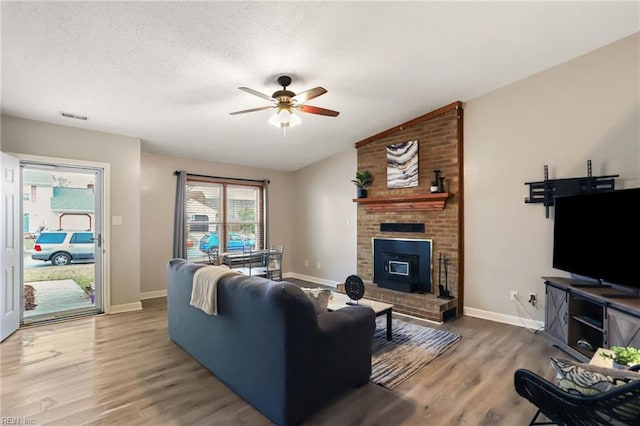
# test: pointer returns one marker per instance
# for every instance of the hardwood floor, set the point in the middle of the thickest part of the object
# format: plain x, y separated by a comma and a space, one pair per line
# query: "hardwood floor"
123, 369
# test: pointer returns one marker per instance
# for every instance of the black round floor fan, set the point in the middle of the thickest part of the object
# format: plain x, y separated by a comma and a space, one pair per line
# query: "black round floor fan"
354, 287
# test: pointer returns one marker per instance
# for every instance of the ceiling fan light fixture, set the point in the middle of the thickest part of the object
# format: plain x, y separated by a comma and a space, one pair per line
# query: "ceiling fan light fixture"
286, 101
294, 120
275, 121
284, 118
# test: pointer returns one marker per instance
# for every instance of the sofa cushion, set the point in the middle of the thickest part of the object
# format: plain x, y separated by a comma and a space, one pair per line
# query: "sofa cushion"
319, 297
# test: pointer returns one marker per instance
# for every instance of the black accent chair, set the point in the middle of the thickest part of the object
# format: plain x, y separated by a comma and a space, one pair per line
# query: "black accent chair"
617, 406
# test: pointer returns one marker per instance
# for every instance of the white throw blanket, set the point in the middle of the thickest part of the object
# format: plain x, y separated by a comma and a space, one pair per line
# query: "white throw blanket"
204, 294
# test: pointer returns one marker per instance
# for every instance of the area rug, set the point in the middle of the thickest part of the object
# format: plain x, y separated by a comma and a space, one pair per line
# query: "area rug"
413, 346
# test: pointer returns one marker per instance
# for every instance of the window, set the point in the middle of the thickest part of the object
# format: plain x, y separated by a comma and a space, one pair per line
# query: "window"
199, 222
223, 214
82, 238
51, 238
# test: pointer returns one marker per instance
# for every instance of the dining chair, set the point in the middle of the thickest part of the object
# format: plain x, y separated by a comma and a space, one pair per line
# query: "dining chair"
214, 259
273, 263
248, 258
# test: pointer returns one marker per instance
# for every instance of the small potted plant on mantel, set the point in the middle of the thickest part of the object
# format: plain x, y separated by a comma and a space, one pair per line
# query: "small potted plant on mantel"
362, 180
623, 357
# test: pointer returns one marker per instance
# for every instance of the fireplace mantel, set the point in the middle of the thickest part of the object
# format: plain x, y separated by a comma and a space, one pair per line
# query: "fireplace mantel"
404, 203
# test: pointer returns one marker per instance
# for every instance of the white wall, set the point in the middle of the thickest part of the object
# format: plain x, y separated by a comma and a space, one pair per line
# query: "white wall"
324, 225
123, 154
584, 109
157, 194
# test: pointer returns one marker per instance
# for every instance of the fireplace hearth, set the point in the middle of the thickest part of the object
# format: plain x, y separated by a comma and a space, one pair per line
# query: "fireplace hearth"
402, 264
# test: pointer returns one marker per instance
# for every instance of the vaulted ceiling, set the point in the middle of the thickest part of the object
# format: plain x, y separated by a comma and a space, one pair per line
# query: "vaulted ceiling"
169, 72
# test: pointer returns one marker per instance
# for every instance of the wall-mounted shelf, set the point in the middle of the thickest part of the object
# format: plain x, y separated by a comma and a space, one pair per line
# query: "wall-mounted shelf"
544, 191
404, 203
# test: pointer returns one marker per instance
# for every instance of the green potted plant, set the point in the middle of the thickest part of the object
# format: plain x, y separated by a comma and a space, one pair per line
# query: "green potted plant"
362, 180
623, 357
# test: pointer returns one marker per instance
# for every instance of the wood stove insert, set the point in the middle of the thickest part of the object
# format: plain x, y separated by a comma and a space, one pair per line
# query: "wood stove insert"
402, 264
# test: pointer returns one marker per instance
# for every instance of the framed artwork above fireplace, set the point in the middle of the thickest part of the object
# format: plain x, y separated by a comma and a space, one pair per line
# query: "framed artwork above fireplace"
402, 165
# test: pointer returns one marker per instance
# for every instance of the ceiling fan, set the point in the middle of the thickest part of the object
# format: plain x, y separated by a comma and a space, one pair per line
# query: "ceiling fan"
287, 101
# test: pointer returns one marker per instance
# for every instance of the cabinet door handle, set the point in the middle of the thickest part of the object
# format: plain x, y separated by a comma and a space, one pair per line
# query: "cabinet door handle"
565, 318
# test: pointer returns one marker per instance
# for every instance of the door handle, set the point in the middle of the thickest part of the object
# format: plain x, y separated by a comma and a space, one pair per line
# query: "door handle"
98, 239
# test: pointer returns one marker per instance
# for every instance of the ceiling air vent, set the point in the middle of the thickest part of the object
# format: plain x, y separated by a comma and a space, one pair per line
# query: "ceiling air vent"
77, 117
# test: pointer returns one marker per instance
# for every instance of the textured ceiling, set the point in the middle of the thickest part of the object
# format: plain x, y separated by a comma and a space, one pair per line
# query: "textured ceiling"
169, 72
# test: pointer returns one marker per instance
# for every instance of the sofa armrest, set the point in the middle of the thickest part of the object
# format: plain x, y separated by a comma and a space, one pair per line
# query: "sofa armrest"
333, 357
350, 320
346, 338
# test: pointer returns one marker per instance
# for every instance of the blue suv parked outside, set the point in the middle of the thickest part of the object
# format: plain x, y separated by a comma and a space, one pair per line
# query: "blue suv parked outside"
235, 242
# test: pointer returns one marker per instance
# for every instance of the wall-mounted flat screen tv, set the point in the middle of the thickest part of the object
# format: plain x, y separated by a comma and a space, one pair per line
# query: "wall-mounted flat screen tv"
597, 235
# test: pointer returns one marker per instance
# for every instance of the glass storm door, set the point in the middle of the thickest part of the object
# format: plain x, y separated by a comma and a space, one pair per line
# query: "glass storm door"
62, 247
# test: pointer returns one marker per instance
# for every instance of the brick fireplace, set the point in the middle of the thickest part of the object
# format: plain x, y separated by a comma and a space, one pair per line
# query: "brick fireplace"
439, 215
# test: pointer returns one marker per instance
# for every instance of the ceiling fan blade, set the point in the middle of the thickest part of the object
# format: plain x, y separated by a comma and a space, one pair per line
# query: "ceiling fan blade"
256, 93
316, 110
252, 110
309, 94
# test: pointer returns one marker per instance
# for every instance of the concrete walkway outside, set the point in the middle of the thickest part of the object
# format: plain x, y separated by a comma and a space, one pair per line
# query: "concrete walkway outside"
56, 296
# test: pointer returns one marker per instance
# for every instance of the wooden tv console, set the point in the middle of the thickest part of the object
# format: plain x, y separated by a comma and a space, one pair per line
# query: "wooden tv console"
581, 317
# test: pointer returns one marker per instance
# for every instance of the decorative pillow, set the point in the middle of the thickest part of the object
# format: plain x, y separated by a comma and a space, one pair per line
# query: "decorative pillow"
616, 373
588, 380
319, 297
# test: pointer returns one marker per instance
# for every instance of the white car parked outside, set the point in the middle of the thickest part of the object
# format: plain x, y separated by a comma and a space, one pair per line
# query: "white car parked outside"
64, 247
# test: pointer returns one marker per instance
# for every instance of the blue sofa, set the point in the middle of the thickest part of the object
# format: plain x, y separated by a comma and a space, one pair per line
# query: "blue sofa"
268, 345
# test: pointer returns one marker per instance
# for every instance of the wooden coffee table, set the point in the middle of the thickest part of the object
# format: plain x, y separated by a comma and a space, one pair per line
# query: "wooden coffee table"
339, 301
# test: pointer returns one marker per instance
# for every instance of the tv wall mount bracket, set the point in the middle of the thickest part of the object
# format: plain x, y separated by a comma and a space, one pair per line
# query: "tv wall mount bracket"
545, 191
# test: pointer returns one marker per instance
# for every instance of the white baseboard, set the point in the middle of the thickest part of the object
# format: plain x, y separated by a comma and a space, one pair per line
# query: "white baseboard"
506, 319
125, 307
311, 279
153, 294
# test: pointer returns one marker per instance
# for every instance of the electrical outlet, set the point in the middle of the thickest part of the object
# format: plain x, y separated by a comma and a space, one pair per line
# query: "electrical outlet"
306, 263
318, 265
514, 295
533, 299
